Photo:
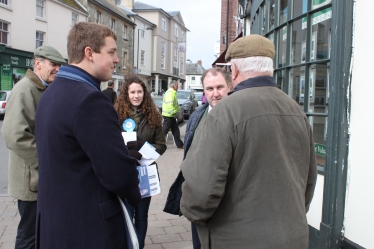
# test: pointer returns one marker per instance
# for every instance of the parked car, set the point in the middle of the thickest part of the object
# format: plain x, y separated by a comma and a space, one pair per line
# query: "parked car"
186, 98
198, 96
158, 101
4, 96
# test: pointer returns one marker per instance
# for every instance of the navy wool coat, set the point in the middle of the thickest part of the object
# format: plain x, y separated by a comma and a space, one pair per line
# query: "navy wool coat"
83, 167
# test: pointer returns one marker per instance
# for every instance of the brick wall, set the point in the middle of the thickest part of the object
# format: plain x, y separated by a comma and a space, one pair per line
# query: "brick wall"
228, 21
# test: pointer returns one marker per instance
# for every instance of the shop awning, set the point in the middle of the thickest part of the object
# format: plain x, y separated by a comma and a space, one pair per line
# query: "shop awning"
221, 58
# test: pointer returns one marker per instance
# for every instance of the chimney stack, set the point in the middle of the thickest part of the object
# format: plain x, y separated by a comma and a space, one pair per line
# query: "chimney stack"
199, 62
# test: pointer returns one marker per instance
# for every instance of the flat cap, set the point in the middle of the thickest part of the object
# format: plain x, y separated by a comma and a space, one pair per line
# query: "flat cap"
49, 53
249, 46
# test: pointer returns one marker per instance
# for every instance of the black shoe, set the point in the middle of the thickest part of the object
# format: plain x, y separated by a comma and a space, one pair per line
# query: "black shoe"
182, 147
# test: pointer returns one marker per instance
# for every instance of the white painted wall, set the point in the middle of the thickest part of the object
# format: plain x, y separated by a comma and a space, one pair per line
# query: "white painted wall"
23, 24
359, 212
314, 215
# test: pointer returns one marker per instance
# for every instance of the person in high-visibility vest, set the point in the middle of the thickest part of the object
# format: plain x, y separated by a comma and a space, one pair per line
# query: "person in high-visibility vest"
169, 110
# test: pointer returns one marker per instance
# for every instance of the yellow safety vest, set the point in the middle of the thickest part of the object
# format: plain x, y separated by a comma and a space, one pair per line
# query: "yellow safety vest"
170, 103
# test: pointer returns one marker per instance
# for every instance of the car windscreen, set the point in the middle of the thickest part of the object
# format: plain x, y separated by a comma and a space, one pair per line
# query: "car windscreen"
3, 96
183, 95
198, 96
158, 102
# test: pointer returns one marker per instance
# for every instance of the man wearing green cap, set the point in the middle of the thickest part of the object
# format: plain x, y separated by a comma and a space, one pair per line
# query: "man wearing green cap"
251, 171
19, 135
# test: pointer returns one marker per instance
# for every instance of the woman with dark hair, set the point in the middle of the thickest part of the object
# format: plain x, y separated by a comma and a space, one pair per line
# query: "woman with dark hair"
135, 103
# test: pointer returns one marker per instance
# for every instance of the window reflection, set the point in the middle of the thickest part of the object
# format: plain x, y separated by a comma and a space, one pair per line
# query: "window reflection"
320, 43
283, 10
271, 4
298, 44
299, 7
280, 78
282, 47
297, 84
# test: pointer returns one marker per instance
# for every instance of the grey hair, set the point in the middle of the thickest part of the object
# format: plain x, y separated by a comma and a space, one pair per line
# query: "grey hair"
39, 58
254, 64
172, 83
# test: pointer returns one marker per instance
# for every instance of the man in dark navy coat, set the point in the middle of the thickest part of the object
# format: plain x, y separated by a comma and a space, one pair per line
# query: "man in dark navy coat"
83, 161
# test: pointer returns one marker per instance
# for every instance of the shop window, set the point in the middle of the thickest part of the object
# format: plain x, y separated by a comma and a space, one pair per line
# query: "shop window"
298, 44
321, 35
299, 7
271, 15
282, 47
283, 11
40, 8
4, 33
39, 38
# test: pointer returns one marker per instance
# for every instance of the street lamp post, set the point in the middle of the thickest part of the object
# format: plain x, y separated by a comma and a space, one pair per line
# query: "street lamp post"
137, 55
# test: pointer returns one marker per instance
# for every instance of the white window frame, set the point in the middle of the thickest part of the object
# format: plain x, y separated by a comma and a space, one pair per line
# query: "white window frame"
39, 41
112, 24
40, 8
74, 18
163, 54
142, 56
125, 32
163, 23
4, 31
5, 2
176, 30
98, 17
193, 80
182, 36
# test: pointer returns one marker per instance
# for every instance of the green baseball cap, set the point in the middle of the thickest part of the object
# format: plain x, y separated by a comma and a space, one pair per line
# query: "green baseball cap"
49, 53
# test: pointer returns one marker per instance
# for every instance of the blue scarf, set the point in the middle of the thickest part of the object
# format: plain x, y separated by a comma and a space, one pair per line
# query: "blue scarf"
72, 73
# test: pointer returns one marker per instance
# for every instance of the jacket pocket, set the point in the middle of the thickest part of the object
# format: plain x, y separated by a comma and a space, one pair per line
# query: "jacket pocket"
109, 208
34, 177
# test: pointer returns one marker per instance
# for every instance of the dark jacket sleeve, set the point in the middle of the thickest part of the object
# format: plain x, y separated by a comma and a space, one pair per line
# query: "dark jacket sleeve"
98, 132
159, 140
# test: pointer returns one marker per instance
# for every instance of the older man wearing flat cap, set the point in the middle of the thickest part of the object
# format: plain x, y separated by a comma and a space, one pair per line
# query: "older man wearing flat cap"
19, 135
253, 186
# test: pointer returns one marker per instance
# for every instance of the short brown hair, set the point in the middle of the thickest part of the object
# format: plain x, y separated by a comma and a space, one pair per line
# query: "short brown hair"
216, 70
84, 35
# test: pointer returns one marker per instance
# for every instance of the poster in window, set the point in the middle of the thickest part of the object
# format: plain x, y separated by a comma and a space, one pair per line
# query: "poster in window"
18, 74
313, 47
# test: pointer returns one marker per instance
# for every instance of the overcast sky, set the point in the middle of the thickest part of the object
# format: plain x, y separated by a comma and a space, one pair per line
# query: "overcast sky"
203, 19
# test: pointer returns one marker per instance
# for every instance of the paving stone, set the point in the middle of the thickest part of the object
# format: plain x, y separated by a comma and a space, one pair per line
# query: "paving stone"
178, 245
175, 229
159, 223
8, 238
154, 246
180, 222
155, 231
186, 236
157, 239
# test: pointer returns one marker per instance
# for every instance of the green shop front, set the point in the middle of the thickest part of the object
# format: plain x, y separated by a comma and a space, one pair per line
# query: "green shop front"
13, 66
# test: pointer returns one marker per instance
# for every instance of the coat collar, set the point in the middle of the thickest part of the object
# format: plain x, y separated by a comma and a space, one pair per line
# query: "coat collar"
255, 82
35, 79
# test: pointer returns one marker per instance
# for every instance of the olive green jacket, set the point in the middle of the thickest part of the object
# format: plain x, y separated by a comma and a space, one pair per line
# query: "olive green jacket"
18, 131
250, 172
